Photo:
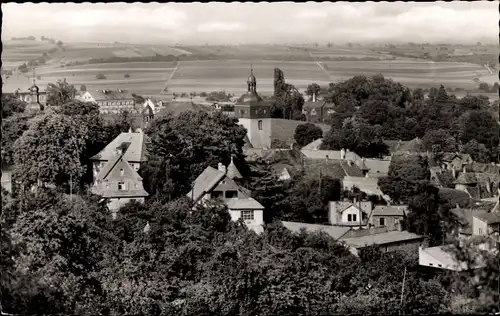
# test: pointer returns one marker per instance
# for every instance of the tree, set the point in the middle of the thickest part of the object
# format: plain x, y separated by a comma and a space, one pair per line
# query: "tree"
440, 138
306, 133
11, 105
126, 75
83, 88
477, 151
481, 126
60, 93
49, 151
483, 86
313, 89
183, 146
61, 244
279, 82
13, 128
100, 76
358, 136
407, 176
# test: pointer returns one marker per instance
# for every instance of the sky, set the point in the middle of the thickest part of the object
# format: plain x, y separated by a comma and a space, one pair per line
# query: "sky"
255, 23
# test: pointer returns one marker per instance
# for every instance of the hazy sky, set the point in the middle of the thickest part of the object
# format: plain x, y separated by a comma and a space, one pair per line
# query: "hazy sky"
285, 22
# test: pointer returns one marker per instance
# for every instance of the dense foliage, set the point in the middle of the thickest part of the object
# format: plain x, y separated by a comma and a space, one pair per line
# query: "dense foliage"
306, 133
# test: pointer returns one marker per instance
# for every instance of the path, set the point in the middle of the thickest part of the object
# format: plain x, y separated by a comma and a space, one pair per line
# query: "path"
171, 76
489, 69
321, 67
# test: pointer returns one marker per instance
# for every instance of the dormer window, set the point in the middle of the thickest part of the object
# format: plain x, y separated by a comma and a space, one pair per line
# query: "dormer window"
121, 186
122, 172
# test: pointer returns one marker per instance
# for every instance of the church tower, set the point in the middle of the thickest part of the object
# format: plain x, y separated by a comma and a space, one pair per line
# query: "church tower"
254, 114
34, 104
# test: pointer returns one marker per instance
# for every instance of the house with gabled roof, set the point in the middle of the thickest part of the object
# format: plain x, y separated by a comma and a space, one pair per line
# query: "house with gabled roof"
318, 111
220, 184
390, 216
119, 182
351, 214
110, 101
136, 153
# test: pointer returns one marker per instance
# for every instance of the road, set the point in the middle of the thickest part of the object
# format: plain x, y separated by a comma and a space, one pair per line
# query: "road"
171, 75
321, 67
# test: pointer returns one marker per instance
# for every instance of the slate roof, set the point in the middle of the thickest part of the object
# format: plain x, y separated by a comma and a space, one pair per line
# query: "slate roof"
377, 166
415, 145
318, 105
392, 210
244, 204
136, 152
483, 168
466, 158
232, 171
335, 232
99, 95
205, 182
489, 218
336, 169
369, 185
443, 177
381, 239
477, 177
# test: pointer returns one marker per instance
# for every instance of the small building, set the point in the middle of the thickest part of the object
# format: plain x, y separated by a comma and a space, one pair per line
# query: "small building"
352, 214
219, 184
454, 161
443, 257
391, 216
119, 182
135, 154
318, 111
478, 185
111, 101
387, 241
374, 168
487, 225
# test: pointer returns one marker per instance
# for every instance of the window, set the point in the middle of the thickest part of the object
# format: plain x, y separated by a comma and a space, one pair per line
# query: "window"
247, 215
430, 264
480, 231
242, 112
231, 194
122, 172
107, 186
121, 185
439, 265
136, 186
349, 217
216, 194
259, 124
353, 217
313, 112
382, 221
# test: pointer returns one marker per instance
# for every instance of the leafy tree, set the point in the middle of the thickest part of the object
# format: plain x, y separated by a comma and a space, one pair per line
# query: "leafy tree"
100, 76
126, 75
481, 126
306, 133
183, 146
440, 138
83, 88
13, 128
477, 151
313, 89
375, 111
358, 136
483, 86
49, 151
407, 177
61, 243
11, 105
60, 93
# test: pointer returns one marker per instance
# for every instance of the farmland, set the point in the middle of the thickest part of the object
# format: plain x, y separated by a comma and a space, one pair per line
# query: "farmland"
227, 68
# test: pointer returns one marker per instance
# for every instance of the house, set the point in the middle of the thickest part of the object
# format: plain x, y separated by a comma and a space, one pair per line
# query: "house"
336, 232
478, 185
443, 178
488, 225
136, 153
318, 111
119, 182
219, 184
155, 105
463, 219
368, 185
111, 101
352, 214
443, 257
336, 169
23, 89
454, 161
391, 216
387, 241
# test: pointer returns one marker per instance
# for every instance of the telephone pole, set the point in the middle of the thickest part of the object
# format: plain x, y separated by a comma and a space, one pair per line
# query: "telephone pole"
403, 290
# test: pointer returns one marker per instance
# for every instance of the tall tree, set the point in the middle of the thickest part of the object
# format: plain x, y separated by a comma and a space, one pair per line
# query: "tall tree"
49, 151
313, 90
306, 133
59, 93
11, 105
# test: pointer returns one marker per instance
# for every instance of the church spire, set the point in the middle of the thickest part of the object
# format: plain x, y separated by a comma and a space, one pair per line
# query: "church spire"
252, 81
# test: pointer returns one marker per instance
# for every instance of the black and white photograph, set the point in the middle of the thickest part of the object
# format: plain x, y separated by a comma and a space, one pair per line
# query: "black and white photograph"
250, 158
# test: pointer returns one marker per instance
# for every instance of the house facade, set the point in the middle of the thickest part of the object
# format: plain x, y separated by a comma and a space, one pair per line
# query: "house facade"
391, 216
318, 111
352, 214
219, 184
111, 101
119, 182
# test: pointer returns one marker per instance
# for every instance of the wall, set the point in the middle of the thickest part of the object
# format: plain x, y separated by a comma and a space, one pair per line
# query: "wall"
258, 138
390, 221
409, 246
479, 225
256, 224
352, 210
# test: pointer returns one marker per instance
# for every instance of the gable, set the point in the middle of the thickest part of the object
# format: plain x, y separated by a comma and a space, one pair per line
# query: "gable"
351, 210
122, 171
225, 184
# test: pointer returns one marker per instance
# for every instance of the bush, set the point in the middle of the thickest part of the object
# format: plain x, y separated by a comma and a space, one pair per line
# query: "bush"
127, 76
203, 94
306, 133
100, 76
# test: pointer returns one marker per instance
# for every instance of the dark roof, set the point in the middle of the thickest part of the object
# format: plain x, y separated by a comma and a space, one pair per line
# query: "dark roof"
104, 95
314, 105
147, 110
483, 168
232, 171
477, 177
251, 98
205, 182
455, 197
465, 215
336, 169
393, 210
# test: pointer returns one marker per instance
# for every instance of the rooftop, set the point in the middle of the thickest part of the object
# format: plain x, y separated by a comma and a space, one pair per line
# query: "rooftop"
393, 210
206, 181
334, 231
244, 204
313, 145
136, 152
103, 95
489, 218
445, 256
381, 239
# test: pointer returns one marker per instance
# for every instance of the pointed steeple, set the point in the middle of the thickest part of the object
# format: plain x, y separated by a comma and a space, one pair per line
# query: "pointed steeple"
252, 81
233, 172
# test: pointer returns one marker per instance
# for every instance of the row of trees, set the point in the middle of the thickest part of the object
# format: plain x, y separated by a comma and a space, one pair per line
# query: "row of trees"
371, 109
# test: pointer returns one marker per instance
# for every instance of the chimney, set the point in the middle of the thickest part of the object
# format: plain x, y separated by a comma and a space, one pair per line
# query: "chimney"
314, 97
354, 200
342, 153
458, 205
464, 171
454, 173
221, 167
